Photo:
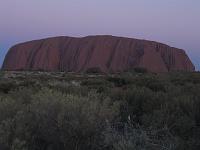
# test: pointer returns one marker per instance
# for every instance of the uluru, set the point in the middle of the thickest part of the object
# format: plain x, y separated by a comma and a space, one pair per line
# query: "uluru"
108, 53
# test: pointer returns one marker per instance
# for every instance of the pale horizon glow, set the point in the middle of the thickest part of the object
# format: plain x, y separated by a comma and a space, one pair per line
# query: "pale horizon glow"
175, 23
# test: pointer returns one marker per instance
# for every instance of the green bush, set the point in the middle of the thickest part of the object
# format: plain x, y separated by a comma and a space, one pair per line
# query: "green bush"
140, 70
94, 70
44, 111
118, 81
7, 85
137, 138
57, 121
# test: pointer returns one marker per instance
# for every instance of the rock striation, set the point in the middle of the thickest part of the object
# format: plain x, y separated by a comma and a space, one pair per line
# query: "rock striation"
108, 53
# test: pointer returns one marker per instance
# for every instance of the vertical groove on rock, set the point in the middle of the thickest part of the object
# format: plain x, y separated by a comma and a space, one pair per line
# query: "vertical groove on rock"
63, 49
132, 60
88, 57
76, 55
112, 54
32, 55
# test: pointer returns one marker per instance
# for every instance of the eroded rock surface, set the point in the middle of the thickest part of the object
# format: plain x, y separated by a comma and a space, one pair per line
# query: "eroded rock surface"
109, 53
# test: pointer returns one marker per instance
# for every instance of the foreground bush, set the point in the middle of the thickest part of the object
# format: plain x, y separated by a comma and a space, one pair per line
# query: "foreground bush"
94, 70
134, 137
131, 111
52, 120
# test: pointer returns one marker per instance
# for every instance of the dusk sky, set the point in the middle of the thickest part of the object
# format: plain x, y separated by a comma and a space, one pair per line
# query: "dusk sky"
173, 22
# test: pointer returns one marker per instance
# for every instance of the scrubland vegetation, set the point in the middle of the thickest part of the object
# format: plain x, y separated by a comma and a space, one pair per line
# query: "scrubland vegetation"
135, 110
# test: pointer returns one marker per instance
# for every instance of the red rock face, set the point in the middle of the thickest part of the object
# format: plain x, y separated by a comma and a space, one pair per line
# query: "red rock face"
110, 54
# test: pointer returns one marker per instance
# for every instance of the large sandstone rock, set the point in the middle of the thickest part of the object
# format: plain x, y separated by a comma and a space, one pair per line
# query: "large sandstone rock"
109, 53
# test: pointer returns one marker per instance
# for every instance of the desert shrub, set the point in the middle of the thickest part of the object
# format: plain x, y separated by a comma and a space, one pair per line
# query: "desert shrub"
27, 82
100, 85
93, 82
56, 121
137, 138
175, 112
183, 78
7, 85
135, 71
18, 145
152, 82
42, 111
2, 74
178, 117
94, 70
68, 87
118, 81
140, 101
138, 97
140, 70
